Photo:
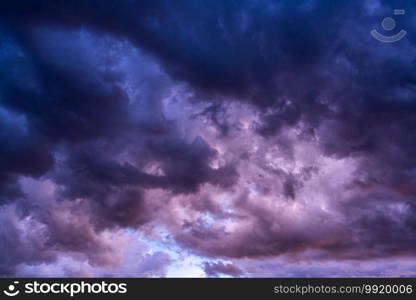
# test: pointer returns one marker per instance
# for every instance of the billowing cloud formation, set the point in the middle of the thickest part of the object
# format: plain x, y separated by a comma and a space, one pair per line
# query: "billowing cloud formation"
244, 131
215, 269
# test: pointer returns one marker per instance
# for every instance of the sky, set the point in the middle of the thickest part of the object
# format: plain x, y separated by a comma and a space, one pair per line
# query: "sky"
194, 138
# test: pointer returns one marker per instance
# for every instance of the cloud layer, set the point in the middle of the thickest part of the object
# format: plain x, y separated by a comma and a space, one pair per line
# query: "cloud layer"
243, 135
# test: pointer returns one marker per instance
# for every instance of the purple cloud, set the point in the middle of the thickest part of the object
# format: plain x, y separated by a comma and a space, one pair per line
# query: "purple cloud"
254, 133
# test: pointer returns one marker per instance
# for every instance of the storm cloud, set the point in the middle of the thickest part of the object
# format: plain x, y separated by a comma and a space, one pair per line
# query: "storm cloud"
244, 131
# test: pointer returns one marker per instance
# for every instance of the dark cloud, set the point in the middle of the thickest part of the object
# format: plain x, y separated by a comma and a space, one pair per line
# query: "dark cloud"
18, 245
106, 100
220, 268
